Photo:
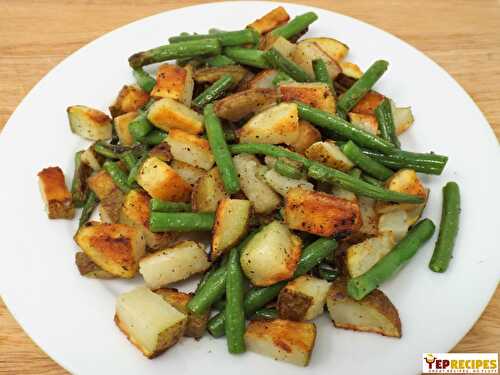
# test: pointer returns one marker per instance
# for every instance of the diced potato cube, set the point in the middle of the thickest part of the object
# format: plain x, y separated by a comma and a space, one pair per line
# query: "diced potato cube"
364, 255
174, 82
189, 173
328, 153
332, 47
55, 194
208, 192
403, 118
89, 123
282, 184
395, 222
368, 103
315, 94
101, 184
190, 149
365, 122
270, 20
130, 98
350, 70
121, 126
263, 79
88, 268
282, 45
368, 216
308, 134
148, 321
307, 51
169, 114
238, 106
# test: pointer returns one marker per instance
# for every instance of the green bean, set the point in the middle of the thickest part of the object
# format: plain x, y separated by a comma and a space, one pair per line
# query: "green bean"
327, 272
219, 61
247, 56
424, 163
386, 122
215, 91
211, 291
181, 221
79, 189
103, 149
220, 150
220, 305
129, 159
281, 77
144, 80
372, 180
88, 208
367, 164
278, 61
204, 278
355, 172
234, 312
158, 205
364, 84
322, 74
132, 175
391, 263
140, 126
339, 126
119, 177
288, 170
313, 254
175, 51
265, 314
448, 228
226, 38
295, 26
154, 137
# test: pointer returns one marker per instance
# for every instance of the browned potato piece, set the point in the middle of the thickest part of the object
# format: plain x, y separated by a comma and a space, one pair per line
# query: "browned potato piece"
364, 255
110, 207
116, 248
55, 194
162, 181
190, 148
315, 94
189, 173
89, 123
88, 268
169, 114
208, 191
196, 323
368, 103
403, 118
162, 152
307, 51
174, 82
332, 47
308, 134
101, 184
92, 158
321, 214
237, 106
282, 340
121, 126
263, 80
231, 224
130, 99
270, 20
350, 70
363, 121
210, 75
327, 152
374, 313
369, 217
280, 44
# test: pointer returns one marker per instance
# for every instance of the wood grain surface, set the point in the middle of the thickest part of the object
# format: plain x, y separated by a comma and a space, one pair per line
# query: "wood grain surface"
461, 35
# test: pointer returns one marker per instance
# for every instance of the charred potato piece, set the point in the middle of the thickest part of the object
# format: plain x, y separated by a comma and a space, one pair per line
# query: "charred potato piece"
130, 98
169, 114
55, 194
363, 121
88, 268
101, 184
189, 173
110, 207
238, 106
315, 94
190, 148
208, 191
364, 255
210, 75
368, 103
308, 134
270, 20
121, 126
332, 47
403, 181
174, 82
327, 152
89, 123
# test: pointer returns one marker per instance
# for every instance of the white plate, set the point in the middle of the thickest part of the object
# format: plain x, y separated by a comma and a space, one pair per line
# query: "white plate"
71, 317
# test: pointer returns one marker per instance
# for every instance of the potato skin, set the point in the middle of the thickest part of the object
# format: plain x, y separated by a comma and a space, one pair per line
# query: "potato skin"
242, 104
335, 49
110, 206
88, 268
55, 193
293, 305
210, 75
130, 99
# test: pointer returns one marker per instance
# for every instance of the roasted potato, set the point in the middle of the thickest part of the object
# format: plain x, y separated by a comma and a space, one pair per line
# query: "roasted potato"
238, 106
101, 184
231, 225
208, 191
327, 152
282, 45
148, 321
315, 94
189, 173
270, 20
403, 118
263, 198
169, 114
403, 181
55, 193
364, 255
364, 121
308, 134
303, 298
350, 70
196, 323
369, 217
110, 207
173, 264
88, 268
190, 149
271, 255
263, 80
116, 248
278, 124
307, 51
92, 158
210, 75
395, 222
374, 313
321, 214
174, 82
161, 151
162, 181
282, 184
282, 340
89, 123
332, 47
368, 103
130, 99
121, 126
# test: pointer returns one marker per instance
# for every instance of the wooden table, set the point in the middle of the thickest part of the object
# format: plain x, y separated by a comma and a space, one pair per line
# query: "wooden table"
461, 35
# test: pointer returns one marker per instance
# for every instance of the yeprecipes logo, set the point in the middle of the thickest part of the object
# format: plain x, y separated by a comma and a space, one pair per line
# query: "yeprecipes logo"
460, 363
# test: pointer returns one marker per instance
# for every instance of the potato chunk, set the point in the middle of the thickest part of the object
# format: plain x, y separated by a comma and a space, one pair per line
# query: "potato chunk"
282, 340
263, 79
162, 182
240, 105
190, 149
174, 82
270, 20
130, 98
110, 206
121, 126
403, 118
395, 222
173, 264
278, 124
316, 94
282, 184
196, 323
307, 51
208, 191
148, 321
101, 184
231, 224
321, 214
369, 217
368, 103
374, 313
303, 298
332, 47
88, 268
189, 173
350, 70
308, 134
364, 121
89, 123
364, 255
327, 152
116, 248
169, 114
271, 255
55, 193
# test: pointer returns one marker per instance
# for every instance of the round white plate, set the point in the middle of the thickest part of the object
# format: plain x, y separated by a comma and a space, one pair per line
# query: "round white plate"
71, 317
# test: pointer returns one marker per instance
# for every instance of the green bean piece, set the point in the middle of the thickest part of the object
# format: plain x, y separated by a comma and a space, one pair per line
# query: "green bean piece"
288, 170
204, 278
89, 207
211, 291
391, 263
140, 126
322, 75
234, 312
265, 314
154, 137
144, 80
119, 177
295, 26
386, 122
129, 159
220, 61
181, 221
346, 129
215, 91
355, 172
420, 162
313, 254
220, 150
327, 272
229, 134
367, 164
247, 56
103, 149
158, 205
175, 51
364, 84
79, 189
448, 228
372, 180
226, 38
220, 305
281, 77
278, 61
132, 175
